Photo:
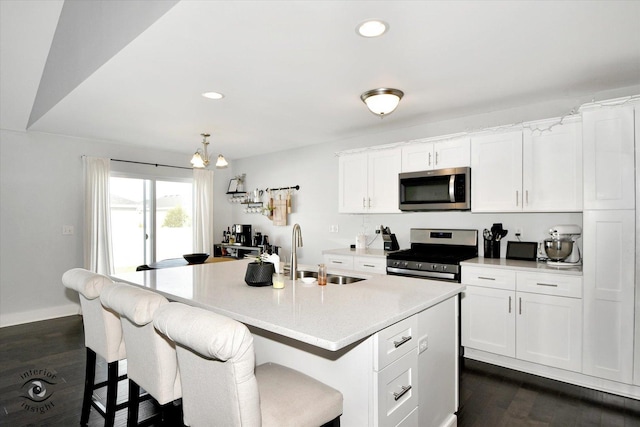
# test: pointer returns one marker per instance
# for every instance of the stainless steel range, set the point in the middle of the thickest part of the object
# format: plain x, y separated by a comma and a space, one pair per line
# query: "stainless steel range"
434, 254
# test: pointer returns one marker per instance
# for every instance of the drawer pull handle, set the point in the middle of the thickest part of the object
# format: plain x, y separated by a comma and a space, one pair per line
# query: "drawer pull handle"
486, 278
553, 285
368, 265
405, 389
336, 262
402, 341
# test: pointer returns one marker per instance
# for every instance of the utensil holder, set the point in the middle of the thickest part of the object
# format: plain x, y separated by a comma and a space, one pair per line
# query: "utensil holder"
492, 249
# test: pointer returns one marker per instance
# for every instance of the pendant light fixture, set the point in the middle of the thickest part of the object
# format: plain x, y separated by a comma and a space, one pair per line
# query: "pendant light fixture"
382, 101
201, 159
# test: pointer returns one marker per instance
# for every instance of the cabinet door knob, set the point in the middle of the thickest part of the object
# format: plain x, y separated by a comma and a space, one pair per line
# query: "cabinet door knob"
405, 389
397, 344
552, 285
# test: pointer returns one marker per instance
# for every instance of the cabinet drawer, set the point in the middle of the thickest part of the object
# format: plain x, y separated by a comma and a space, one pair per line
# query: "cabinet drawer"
549, 284
489, 277
396, 388
370, 264
394, 342
344, 262
410, 420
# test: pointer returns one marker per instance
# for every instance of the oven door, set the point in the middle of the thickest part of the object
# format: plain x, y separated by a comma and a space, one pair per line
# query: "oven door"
442, 189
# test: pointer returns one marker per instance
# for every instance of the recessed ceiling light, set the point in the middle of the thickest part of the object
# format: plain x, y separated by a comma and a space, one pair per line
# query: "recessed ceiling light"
372, 28
213, 95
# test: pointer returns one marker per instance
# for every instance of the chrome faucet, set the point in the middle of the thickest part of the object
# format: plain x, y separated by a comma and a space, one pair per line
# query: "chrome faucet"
296, 242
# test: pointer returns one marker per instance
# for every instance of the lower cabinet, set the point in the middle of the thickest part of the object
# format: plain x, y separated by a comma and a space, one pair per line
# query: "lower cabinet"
395, 376
344, 262
365, 264
488, 320
537, 318
549, 330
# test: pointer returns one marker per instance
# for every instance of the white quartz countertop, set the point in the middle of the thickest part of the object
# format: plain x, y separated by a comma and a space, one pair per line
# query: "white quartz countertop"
377, 253
331, 317
512, 264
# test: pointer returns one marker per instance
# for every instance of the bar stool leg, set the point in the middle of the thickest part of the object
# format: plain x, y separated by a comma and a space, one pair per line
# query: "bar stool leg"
89, 379
134, 402
112, 393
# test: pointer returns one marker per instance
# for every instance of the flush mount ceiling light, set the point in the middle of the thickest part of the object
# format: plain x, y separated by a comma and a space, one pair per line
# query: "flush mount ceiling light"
382, 101
372, 28
213, 95
201, 159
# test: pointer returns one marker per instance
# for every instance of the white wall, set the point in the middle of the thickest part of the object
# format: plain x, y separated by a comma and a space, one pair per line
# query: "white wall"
41, 189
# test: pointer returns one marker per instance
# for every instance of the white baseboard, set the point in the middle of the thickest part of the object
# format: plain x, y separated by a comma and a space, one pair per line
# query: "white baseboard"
576, 378
37, 315
451, 421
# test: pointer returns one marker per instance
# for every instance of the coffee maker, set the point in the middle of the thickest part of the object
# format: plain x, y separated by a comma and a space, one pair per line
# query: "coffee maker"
242, 233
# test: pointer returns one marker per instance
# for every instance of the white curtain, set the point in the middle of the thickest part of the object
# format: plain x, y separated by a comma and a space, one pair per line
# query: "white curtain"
203, 211
98, 255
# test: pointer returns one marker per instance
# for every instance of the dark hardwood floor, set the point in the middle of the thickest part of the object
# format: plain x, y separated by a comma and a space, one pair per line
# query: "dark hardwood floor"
48, 359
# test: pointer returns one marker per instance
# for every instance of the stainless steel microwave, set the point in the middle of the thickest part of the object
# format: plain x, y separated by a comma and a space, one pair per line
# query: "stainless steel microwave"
436, 190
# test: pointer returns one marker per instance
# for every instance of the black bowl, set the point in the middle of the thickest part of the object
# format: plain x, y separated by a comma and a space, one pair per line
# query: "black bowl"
196, 258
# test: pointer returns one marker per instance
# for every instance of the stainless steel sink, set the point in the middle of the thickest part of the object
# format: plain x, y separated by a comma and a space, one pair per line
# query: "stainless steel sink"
342, 280
331, 278
303, 273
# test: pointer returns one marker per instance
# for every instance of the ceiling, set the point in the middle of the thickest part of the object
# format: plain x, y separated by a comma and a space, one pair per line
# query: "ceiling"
132, 72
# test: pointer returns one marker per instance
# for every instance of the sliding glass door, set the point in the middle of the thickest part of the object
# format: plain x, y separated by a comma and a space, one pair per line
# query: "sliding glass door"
151, 220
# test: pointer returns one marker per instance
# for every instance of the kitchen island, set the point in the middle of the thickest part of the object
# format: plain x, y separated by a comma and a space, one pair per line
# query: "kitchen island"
388, 343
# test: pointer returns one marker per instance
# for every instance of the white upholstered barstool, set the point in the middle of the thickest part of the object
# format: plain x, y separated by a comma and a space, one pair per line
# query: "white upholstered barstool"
151, 357
102, 336
221, 385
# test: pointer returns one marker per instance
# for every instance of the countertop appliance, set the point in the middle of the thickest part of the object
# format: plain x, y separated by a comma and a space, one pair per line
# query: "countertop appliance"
435, 190
434, 254
242, 233
389, 239
561, 248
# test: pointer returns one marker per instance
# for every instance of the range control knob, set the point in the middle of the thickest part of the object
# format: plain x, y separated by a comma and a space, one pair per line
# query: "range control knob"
434, 266
419, 266
405, 264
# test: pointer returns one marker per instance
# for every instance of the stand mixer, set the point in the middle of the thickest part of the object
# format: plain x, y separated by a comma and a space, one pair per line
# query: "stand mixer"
561, 247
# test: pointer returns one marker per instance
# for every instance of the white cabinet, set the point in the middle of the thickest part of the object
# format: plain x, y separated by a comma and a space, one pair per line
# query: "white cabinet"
428, 155
609, 180
549, 330
552, 167
370, 264
395, 376
496, 172
537, 317
538, 169
365, 264
353, 183
343, 262
488, 320
368, 182
609, 289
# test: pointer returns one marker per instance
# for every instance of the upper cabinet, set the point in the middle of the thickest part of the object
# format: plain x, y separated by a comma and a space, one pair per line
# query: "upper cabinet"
496, 172
368, 181
538, 169
428, 155
609, 181
552, 167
